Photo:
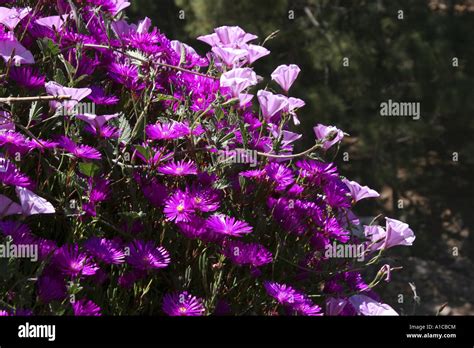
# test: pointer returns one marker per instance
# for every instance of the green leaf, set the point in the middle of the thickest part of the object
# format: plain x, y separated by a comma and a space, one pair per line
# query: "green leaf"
136, 57
88, 169
48, 47
34, 112
144, 151
125, 130
59, 77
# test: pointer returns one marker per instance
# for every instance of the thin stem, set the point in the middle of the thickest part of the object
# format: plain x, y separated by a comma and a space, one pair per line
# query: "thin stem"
301, 154
10, 100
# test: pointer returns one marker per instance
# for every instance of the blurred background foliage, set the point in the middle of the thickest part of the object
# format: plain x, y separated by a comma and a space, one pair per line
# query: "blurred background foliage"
407, 60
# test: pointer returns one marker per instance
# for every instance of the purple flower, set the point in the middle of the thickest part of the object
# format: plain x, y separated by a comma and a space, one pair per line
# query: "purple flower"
395, 233
359, 192
237, 80
105, 250
226, 36
76, 94
99, 97
281, 175
10, 17
180, 168
307, 308
335, 306
32, 204
6, 123
331, 135
8, 207
229, 56
255, 52
51, 287
21, 55
204, 199
271, 104
337, 193
179, 207
14, 142
96, 121
85, 307
367, 306
27, 77
10, 175
252, 254
79, 151
285, 76
182, 304
227, 225
126, 75
284, 294
72, 262
167, 131
145, 256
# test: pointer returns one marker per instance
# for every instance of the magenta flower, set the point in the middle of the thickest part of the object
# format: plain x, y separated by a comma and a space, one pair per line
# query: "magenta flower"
126, 75
99, 97
105, 250
307, 308
280, 175
145, 256
252, 254
79, 151
72, 262
204, 199
85, 307
167, 131
227, 225
51, 287
179, 207
14, 142
180, 168
27, 77
359, 192
367, 306
329, 134
284, 294
285, 75
11, 176
182, 304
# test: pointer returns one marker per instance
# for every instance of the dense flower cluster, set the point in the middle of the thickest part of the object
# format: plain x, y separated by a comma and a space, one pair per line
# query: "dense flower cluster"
155, 180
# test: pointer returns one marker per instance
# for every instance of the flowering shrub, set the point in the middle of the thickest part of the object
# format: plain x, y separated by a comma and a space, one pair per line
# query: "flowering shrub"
151, 179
